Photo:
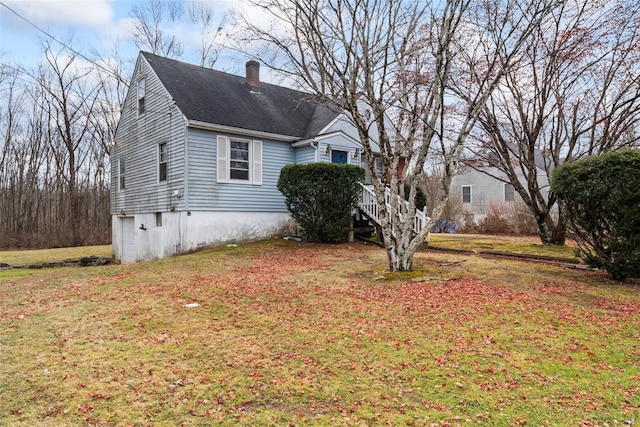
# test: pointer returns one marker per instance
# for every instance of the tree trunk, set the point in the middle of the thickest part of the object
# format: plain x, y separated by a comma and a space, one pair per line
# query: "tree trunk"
551, 232
399, 260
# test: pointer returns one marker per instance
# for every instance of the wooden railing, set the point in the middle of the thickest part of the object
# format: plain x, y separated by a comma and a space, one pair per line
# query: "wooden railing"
369, 205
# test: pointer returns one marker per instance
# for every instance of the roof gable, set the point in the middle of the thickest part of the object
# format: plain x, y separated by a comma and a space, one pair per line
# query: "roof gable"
219, 98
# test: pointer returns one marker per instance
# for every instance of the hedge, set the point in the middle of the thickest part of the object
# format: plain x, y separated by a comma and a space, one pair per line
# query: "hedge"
601, 197
321, 197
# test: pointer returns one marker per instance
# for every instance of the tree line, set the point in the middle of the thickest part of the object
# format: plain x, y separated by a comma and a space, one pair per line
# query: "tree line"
58, 121
56, 127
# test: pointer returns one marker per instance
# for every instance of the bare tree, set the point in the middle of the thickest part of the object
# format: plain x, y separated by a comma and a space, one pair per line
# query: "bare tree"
56, 126
71, 99
150, 20
398, 60
575, 92
202, 16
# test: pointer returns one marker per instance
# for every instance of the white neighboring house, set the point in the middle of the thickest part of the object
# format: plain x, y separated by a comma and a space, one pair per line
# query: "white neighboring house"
482, 186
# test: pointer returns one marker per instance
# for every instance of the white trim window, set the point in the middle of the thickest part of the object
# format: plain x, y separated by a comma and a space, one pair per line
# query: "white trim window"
121, 174
239, 160
378, 163
141, 95
466, 194
162, 162
509, 192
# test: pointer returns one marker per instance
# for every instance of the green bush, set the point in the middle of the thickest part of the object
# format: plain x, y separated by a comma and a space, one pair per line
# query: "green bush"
321, 196
421, 198
601, 195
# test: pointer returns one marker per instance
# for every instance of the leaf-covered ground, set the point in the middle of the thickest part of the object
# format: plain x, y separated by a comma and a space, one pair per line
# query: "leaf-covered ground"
287, 333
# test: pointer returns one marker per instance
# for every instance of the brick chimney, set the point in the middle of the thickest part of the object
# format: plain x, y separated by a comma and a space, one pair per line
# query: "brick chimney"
253, 74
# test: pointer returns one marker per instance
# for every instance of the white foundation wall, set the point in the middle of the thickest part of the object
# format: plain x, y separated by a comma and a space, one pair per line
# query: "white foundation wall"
182, 232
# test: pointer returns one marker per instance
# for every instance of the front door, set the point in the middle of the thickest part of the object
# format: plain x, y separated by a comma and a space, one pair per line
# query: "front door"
338, 156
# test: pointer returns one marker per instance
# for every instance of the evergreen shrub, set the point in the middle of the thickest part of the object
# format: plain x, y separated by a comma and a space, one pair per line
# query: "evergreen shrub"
321, 197
601, 196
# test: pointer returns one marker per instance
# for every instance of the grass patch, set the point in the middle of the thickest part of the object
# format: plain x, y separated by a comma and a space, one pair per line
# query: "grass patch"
289, 333
39, 256
502, 244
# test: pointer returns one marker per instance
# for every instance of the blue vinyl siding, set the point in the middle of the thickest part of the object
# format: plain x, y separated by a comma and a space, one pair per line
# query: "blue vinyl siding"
137, 140
305, 155
207, 194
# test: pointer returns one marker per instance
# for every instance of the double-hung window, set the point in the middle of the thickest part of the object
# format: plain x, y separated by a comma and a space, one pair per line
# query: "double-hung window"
121, 174
141, 97
509, 192
162, 162
239, 160
378, 163
466, 194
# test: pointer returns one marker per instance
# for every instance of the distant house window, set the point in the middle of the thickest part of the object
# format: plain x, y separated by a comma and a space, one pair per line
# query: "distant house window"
378, 162
509, 192
158, 219
141, 97
162, 162
466, 194
121, 174
239, 160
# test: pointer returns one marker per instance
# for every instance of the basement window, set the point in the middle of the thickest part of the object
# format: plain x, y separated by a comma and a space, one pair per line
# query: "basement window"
158, 219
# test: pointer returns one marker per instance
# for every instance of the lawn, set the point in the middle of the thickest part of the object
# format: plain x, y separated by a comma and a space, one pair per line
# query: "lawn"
530, 246
278, 333
27, 257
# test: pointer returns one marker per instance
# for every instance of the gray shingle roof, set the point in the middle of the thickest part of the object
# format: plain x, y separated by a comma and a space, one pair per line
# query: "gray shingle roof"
220, 98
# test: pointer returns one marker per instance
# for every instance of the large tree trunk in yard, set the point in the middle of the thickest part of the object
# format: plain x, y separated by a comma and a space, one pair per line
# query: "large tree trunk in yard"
400, 257
551, 232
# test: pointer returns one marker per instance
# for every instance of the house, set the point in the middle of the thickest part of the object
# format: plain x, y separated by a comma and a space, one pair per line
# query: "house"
198, 153
481, 185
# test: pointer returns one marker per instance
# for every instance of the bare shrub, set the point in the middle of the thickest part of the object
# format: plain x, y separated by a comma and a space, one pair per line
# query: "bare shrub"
508, 218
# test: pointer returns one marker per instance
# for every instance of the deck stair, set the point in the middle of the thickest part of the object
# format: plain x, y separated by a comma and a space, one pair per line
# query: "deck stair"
368, 207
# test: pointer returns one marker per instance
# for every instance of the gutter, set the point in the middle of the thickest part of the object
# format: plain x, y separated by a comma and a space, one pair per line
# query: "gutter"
196, 124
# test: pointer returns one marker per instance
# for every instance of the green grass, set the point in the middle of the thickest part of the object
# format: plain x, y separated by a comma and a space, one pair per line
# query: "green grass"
289, 333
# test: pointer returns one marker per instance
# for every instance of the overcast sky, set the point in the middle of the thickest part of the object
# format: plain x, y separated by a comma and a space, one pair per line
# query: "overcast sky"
93, 24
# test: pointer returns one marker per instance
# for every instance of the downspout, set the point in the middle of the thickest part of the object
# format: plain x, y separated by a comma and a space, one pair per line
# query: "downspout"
185, 185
